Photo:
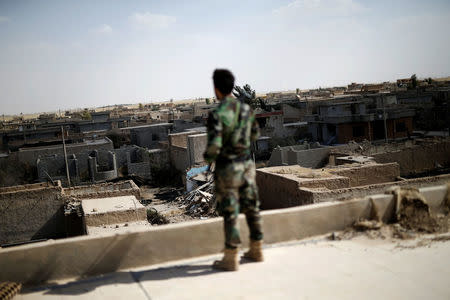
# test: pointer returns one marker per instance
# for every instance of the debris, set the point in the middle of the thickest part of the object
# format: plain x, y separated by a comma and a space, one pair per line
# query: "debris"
154, 217
413, 212
72, 206
367, 225
200, 202
412, 218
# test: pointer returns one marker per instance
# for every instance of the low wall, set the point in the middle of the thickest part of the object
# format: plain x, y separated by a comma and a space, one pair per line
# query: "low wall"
369, 174
28, 187
104, 190
46, 261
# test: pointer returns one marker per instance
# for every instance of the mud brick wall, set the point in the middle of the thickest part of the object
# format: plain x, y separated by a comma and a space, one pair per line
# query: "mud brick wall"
369, 174
104, 190
32, 213
418, 158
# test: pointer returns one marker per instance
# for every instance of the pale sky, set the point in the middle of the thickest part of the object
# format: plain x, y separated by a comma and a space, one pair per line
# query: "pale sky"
75, 54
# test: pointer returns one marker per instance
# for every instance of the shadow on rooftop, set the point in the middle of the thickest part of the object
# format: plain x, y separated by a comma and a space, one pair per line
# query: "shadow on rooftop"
83, 286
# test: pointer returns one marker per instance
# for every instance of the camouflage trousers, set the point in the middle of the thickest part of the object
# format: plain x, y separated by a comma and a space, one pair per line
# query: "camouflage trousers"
236, 191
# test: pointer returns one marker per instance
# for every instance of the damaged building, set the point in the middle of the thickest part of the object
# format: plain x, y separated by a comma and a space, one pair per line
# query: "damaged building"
366, 119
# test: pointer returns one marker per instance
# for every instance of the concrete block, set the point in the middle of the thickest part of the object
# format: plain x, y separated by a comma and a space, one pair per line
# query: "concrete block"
435, 196
112, 210
383, 207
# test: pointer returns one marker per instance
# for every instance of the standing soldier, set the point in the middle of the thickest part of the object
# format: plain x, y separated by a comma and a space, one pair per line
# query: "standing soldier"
231, 129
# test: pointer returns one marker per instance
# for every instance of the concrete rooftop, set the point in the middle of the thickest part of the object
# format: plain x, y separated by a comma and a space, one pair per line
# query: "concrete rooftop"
360, 268
110, 204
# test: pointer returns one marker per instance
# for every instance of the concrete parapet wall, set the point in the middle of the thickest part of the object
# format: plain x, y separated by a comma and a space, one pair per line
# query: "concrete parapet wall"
46, 261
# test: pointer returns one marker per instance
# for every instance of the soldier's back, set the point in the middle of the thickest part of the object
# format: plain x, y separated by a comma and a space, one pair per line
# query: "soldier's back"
236, 119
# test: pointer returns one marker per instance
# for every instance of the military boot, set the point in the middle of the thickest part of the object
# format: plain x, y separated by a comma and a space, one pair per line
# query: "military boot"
229, 261
255, 251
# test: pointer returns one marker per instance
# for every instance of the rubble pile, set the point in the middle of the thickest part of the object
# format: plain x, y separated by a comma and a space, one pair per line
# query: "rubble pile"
200, 202
412, 217
72, 205
154, 217
413, 212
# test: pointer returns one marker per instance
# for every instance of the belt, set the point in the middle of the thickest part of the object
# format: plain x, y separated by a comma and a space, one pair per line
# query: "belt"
237, 159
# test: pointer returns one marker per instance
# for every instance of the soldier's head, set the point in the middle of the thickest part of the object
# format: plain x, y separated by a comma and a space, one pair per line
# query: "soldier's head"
223, 83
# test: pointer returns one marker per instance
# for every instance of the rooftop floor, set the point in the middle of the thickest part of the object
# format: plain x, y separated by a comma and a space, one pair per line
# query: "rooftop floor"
360, 268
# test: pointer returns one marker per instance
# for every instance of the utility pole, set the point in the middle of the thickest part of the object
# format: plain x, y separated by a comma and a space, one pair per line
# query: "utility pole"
384, 119
65, 156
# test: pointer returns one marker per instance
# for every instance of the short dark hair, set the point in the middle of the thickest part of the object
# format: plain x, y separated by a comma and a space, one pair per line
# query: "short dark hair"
223, 81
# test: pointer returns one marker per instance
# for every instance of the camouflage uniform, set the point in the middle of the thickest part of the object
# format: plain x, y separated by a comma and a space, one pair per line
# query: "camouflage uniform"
231, 129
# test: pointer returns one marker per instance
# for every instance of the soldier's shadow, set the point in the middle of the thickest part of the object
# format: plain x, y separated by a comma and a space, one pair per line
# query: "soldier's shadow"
89, 284
82, 286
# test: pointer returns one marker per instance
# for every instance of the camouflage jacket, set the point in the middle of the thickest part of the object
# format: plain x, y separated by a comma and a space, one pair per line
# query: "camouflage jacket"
231, 129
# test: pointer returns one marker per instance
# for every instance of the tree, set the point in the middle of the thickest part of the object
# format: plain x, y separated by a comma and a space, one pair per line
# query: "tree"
141, 107
208, 101
414, 80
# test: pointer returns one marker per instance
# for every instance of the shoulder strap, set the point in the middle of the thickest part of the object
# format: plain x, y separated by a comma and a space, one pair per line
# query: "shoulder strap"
237, 114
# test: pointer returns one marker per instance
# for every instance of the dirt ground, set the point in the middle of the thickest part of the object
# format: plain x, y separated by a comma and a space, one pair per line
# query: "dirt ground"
163, 206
